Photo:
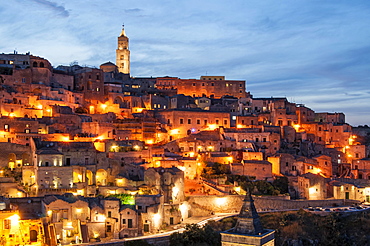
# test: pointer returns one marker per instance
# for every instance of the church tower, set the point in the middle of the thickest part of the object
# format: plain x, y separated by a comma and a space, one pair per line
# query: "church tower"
248, 230
123, 53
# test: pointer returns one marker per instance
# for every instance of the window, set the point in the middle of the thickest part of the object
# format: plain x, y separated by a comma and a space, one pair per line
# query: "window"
27, 131
109, 214
198, 122
264, 139
68, 161
205, 122
109, 228
7, 224
129, 223
294, 168
225, 122
181, 121
6, 127
124, 221
189, 121
217, 121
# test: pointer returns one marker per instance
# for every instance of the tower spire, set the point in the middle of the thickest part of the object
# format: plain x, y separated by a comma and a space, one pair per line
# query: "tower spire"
248, 219
123, 34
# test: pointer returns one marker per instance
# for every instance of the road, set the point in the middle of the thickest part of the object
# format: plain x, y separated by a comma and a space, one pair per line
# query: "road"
200, 221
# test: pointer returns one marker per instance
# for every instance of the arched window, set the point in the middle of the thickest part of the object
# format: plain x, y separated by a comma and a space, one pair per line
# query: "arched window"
34, 64
41, 64
33, 236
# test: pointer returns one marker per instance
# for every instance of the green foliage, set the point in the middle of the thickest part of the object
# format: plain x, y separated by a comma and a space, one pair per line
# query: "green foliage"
215, 170
261, 187
281, 184
126, 199
196, 235
303, 228
222, 225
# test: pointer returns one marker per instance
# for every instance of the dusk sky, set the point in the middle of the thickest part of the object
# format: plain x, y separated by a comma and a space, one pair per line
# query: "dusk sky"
313, 52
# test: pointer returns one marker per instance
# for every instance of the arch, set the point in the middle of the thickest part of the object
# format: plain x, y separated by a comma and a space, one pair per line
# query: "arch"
33, 235
37, 91
11, 161
118, 100
34, 64
89, 177
101, 177
42, 64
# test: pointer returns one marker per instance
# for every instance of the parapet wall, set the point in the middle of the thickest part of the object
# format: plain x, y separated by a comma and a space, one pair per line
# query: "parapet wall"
233, 203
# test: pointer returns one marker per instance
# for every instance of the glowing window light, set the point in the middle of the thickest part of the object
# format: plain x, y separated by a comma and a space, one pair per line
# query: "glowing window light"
175, 191
220, 201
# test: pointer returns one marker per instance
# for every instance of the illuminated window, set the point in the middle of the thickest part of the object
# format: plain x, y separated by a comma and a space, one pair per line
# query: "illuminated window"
6, 127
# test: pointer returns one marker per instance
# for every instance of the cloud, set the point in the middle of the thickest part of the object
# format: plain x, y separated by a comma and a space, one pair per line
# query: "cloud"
135, 10
54, 6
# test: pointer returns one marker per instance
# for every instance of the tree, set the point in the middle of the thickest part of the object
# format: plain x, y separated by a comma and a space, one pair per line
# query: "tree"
281, 184
137, 243
196, 235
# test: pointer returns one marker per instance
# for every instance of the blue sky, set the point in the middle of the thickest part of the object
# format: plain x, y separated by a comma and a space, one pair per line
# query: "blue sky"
312, 52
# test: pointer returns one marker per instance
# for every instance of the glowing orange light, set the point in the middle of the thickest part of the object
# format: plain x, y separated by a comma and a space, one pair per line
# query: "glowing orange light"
296, 127
212, 126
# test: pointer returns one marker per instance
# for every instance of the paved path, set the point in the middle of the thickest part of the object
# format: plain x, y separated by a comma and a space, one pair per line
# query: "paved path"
192, 220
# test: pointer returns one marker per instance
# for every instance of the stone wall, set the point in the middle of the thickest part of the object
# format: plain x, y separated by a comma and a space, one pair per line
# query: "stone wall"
233, 203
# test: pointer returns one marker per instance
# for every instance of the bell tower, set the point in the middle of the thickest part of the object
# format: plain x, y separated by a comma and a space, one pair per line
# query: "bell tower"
123, 53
